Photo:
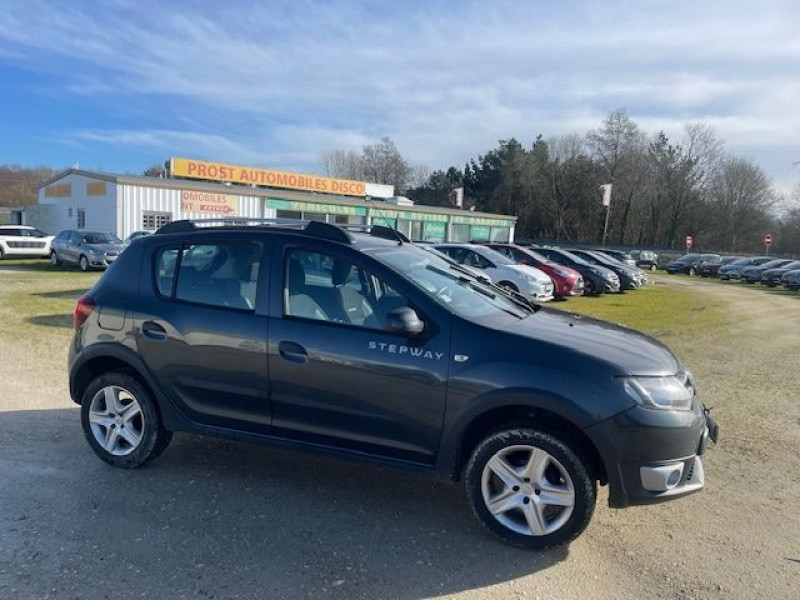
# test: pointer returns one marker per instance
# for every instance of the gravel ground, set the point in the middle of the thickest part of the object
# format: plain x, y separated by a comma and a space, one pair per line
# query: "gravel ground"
215, 519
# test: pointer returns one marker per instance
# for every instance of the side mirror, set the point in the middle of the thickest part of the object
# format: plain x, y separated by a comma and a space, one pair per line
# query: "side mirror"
404, 320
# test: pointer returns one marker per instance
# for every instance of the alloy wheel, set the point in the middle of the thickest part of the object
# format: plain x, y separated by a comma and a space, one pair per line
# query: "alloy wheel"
527, 490
116, 420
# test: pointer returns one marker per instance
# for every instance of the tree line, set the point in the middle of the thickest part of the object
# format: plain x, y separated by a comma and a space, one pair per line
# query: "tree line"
19, 185
662, 189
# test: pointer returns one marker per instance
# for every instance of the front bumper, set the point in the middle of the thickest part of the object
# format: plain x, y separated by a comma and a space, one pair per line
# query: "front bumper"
652, 456
101, 261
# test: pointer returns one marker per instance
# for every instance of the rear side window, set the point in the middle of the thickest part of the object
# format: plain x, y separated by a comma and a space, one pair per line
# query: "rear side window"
222, 275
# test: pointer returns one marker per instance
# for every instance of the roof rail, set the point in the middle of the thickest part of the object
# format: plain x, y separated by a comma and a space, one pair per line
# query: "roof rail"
318, 229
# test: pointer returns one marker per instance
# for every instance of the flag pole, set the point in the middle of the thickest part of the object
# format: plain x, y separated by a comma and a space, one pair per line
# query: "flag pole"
605, 189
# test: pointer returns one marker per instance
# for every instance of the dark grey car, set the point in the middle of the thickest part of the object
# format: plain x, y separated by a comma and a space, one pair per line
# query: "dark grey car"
86, 249
359, 345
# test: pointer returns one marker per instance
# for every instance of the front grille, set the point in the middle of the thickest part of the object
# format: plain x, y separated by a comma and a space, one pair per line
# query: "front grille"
34, 245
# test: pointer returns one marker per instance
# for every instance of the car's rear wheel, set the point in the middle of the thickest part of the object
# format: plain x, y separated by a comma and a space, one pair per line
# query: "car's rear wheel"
83, 263
121, 422
529, 488
54, 260
653, 268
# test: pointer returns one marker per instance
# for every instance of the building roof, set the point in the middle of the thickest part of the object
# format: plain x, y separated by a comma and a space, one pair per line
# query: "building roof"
243, 190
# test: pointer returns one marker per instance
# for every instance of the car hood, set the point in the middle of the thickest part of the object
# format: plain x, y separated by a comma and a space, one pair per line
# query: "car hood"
539, 275
105, 247
628, 352
776, 271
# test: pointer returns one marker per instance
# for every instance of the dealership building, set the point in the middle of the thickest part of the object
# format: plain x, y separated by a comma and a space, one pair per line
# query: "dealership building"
193, 189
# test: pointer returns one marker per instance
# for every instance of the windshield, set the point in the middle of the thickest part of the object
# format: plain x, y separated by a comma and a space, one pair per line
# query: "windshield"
447, 284
494, 256
688, 257
574, 257
101, 237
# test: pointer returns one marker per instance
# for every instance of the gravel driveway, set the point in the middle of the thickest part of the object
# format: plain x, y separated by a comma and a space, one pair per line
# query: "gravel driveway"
216, 519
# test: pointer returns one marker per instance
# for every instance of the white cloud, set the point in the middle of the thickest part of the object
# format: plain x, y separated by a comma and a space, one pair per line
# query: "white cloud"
290, 81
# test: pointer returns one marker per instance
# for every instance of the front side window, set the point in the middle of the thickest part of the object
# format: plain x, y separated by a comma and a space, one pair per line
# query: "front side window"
223, 275
448, 285
329, 288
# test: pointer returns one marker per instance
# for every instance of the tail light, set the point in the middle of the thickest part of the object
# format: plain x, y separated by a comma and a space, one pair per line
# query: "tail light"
83, 308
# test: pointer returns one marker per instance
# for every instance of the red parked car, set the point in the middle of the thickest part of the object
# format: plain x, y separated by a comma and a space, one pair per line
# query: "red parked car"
568, 282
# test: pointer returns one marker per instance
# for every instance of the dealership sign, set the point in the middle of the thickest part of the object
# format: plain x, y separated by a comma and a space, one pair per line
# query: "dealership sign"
208, 203
211, 171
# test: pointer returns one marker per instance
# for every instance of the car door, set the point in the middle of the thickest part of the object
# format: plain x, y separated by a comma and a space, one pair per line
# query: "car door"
338, 377
72, 247
201, 328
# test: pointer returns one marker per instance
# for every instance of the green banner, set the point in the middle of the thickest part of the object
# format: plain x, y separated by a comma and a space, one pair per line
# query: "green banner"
408, 215
483, 221
316, 207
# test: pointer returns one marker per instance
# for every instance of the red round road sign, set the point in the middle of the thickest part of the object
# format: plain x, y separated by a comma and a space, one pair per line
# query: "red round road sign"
768, 239
689, 241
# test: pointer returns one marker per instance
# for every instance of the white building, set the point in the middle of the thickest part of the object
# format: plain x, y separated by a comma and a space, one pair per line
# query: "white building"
78, 199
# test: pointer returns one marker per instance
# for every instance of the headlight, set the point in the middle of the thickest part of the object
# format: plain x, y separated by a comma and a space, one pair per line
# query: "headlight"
95, 252
662, 393
527, 278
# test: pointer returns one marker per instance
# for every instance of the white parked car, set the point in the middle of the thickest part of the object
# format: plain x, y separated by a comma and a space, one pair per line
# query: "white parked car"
529, 281
23, 240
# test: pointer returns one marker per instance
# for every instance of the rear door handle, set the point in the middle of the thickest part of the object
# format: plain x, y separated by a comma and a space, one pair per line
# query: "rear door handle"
154, 331
293, 352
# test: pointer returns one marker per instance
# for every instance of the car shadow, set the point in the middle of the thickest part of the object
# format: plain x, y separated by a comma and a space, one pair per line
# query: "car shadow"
73, 294
222, 519
59, 320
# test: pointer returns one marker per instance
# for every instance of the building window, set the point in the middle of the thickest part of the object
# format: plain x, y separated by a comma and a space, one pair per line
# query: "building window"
81, 218
500, 234
459, 232
312, 216
69, 212
152, 220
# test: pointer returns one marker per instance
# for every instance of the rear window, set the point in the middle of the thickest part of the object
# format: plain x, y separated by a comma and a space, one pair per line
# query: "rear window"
223, 275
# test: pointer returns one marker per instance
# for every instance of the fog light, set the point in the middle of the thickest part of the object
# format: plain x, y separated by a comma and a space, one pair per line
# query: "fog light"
661, 478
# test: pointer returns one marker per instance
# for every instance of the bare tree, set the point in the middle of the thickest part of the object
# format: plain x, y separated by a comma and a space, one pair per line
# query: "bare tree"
345, 164
383, 163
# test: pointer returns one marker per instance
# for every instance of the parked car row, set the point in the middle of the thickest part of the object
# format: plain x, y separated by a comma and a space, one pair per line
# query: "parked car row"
541, 273
767, 270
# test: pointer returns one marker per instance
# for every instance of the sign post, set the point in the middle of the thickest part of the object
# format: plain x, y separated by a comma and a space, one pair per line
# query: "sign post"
605, 190
768, 239
689, 242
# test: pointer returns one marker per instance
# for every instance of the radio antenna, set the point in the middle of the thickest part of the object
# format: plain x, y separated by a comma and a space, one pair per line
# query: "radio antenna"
397, 234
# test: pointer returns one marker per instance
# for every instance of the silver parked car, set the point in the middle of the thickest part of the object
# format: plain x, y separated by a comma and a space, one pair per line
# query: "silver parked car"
87, 249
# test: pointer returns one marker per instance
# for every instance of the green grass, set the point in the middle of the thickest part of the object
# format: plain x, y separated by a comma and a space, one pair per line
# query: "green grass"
660, 310
36, 301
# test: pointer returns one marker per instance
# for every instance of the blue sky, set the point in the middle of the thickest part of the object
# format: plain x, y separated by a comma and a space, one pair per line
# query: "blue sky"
120, 85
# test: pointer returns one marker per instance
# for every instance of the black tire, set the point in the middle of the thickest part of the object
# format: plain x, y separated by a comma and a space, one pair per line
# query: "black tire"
692, 271
585, 486
508, 285
83, 263
154, 438
54, 260
2, 254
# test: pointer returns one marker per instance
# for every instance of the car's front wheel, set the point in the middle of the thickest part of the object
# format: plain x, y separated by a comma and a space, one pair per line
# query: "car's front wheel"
692, 271
530, 488
121, 422
83, 263
653, 267
54, 260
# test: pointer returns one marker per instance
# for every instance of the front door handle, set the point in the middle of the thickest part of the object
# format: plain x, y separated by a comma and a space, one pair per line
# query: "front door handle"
154, 331
293, 352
